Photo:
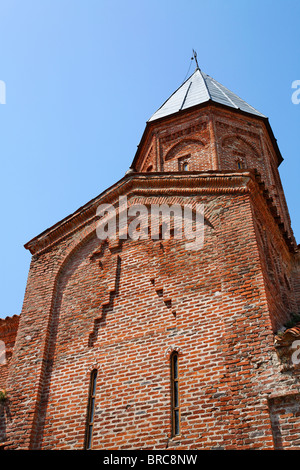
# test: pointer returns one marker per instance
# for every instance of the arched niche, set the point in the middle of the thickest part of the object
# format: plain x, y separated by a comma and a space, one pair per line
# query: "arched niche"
186, 155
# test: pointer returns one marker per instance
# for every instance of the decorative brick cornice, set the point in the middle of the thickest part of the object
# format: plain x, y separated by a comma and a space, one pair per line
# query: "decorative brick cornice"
257, 186
163, 184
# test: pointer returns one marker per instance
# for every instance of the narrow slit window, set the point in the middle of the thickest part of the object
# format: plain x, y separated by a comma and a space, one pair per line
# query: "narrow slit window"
91, 410
240, 164
175, 402
183, 163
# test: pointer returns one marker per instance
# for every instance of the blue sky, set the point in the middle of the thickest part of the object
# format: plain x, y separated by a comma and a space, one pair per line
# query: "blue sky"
83, 76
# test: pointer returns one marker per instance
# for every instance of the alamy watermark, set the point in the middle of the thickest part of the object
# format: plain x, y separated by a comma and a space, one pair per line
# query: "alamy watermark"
2, 92
296, 93
2, 353
296, 354
155, 221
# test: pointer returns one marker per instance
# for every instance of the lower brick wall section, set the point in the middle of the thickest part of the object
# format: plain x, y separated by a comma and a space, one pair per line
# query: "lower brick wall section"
285, 419
122, 308
8, 332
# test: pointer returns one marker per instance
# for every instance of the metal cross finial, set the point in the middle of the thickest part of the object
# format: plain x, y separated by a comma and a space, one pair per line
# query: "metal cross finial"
195, 57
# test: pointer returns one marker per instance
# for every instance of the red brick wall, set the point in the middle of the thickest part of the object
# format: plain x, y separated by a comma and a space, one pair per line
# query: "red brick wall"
123, 307
285, 417
212, 139
8, 332
122, 310
277, 261
296, 280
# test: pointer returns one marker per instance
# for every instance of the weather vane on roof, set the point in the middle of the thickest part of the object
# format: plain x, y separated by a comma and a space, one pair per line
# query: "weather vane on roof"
195, 57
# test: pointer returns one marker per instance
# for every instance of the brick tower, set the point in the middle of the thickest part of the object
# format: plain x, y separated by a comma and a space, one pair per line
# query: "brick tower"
144, 344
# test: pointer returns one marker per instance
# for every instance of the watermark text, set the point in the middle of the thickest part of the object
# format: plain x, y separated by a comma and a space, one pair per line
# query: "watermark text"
2, 92
296, 93
155, 221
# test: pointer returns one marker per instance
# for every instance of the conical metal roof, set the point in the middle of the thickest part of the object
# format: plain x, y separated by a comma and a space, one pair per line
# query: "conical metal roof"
200, 88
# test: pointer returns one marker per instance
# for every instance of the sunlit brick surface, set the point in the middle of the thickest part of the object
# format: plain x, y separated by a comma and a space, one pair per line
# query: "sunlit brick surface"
123, 306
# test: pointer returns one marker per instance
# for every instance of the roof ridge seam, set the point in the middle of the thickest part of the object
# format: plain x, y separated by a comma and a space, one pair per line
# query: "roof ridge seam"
207, 89
185, 96
213, 82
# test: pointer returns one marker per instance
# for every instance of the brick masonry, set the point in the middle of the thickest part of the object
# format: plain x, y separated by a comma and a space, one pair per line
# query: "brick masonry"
123, 306
8, 332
